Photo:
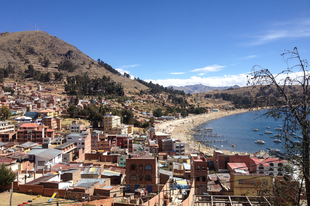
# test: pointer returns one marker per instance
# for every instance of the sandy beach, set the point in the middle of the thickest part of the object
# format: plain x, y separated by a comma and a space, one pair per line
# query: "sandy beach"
181, 128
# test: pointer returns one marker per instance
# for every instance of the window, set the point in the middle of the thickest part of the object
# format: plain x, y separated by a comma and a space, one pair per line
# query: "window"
141, 177
204, 179
133, 178
197, 179
253, 183
261, 168
265, 182
280, 164
140, 167
148, 167
133, 167
148, 178
203, 168
241, 182
197, 168
271, 164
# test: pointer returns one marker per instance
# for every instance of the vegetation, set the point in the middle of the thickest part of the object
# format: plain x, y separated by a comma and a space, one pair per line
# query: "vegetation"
5, 113
292, 107
156, 88
83, 85
8, 89
66, 65
6, 176
108, 67
6, 72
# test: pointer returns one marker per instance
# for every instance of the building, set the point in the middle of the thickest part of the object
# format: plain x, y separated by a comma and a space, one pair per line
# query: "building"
110, 121
97, 140
45, 158
141, 172
33, 132
52, 123
81, 140
199, 173
179, 147
159, 136
251, 184
7, 132
76, 127
47, 112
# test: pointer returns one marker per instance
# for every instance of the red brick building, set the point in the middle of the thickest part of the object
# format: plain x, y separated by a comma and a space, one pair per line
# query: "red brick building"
141, 172
199, 173
32, 132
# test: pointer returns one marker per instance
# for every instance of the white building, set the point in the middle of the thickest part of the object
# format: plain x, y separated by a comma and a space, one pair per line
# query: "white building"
45, 158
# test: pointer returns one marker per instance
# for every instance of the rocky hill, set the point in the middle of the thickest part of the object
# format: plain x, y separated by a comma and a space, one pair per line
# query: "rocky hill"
45, 52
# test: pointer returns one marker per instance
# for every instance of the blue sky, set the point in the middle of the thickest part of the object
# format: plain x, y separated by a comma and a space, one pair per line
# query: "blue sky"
175, 42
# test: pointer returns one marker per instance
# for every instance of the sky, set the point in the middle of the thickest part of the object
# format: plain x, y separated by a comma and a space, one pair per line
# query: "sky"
175, 42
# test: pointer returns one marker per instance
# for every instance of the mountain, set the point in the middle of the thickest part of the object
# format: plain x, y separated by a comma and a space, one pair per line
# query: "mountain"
46, 52
199, 88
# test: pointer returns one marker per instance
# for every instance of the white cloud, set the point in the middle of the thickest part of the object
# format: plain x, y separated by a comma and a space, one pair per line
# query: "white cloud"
122, 69
281, 30
213, 68
227, 80
177, 73
131, 66
249, 57
200, 74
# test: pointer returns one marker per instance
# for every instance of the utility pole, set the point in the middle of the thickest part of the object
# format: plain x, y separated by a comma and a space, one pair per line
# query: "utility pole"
11, 194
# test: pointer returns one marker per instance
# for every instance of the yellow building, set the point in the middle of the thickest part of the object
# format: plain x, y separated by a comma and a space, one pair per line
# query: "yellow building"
47, 112
181, 159
118, 130
110, 121
251, 185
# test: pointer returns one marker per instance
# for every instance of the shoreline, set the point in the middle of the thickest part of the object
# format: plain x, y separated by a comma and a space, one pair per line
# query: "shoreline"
182, 128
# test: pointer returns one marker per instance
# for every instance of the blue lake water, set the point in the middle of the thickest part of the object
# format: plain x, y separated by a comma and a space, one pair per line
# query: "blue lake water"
238, 130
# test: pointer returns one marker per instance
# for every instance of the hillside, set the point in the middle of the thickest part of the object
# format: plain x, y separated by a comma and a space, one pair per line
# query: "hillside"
199, 88
21, 49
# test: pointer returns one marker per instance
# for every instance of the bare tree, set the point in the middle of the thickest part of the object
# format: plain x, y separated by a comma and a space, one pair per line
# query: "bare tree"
289, 102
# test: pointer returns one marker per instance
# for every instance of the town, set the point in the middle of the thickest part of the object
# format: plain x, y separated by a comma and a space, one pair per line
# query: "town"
116, 164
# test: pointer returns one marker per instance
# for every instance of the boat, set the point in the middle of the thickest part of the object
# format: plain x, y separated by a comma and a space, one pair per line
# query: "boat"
299, 137
278, 128
277, 140
267, 127
268, 132
259, 142
277, 135
271, 136
233, 145
273, 150
256, 130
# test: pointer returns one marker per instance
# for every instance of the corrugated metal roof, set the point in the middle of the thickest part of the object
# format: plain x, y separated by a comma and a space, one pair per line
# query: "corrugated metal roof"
88, 182
91, 170
110, 173
45, 153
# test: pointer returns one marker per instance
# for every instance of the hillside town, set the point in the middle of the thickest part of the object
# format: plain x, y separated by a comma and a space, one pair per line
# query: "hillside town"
116, 165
